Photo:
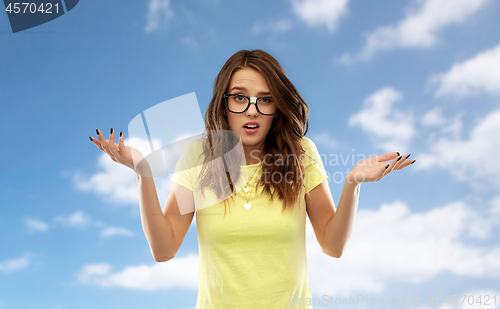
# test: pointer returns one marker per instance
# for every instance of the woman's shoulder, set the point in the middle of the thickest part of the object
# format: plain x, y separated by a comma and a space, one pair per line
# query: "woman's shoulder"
195, 144
311, 152
192, 149
308, 144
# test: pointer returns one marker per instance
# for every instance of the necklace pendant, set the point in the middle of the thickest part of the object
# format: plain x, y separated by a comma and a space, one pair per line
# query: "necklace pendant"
247, 206
245, 189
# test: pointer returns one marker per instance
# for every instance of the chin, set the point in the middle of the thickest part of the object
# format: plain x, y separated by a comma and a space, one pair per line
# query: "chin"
250, 141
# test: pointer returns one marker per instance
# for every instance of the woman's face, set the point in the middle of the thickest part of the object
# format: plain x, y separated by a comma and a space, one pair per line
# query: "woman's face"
249, 82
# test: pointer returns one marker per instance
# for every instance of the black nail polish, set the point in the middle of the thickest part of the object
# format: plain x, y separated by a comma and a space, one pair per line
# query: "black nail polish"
408, 156
398, 153
387, 166
399, 158
413, 161
91, 139
97, 132
111, 131
121, 133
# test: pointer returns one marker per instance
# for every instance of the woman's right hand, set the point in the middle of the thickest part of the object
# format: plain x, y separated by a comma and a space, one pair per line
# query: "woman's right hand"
118, 152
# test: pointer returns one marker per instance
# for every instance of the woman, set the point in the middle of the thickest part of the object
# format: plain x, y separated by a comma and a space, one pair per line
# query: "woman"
252, 245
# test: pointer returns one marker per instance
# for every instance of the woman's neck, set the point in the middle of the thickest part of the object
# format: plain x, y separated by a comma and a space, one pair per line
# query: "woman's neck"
253, 154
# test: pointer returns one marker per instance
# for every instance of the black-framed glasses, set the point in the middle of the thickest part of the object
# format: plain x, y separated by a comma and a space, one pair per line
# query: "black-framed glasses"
238, 103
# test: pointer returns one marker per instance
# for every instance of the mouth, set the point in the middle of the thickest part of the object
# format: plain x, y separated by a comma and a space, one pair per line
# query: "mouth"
251, 127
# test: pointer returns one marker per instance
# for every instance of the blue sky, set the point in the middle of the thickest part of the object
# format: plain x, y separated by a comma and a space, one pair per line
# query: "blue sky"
419, 77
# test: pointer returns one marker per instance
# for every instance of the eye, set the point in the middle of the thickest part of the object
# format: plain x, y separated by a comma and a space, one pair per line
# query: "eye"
266, 100
239, 98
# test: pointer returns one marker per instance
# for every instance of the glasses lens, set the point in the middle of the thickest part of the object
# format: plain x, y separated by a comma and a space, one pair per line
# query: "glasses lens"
266, 105
238, 103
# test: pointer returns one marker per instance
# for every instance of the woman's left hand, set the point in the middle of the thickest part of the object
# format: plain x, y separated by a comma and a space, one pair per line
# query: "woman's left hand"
374, 168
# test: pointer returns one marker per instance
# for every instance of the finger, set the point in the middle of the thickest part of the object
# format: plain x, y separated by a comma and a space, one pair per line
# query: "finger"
394, 163
402, 163
408, 162
385, 171
388, 156
112, 146
389, 168
121, 145
102, 141
96, 142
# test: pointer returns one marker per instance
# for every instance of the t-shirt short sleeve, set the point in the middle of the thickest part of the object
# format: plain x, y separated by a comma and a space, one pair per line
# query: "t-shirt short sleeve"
315, 172
185, 167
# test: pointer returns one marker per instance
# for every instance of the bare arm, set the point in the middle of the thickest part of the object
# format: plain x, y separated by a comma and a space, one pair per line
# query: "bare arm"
339, 228
165, 230
155, 226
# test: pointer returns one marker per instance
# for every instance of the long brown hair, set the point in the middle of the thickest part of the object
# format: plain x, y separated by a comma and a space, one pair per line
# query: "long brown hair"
283, 141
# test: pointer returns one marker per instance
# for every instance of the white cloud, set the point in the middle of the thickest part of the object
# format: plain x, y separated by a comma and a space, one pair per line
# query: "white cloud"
179, 272
14, 264
389, 128
454, 127
77, 219
326, 139
478, 74
469, 159
444, 126
393, 244
271, 26
90, 272
320, 13
419, 29
116, 183
159, 12
35, 225
115, 231
433, 117
495, 208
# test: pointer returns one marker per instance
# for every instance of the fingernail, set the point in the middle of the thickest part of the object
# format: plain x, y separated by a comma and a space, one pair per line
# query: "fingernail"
97, 132
91, 139
121, 134
408, 156
387, 166
399, 158
111, 131
413, 161
398, 153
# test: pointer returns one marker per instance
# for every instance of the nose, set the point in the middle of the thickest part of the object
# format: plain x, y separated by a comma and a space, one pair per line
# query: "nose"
252, 110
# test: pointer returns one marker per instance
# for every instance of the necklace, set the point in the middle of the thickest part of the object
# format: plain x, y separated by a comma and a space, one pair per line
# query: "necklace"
247, 205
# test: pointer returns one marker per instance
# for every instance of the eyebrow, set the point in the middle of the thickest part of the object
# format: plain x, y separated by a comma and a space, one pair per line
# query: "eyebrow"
244, 89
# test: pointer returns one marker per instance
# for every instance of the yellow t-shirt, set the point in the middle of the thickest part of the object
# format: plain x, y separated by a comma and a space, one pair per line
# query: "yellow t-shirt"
252, 258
